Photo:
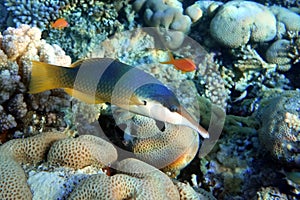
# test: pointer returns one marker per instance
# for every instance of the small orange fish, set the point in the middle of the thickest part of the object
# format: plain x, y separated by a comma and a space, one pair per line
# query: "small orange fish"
60, 23
182, 64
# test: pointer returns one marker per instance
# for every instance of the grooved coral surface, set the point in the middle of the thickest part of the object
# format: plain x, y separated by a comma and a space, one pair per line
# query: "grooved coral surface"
12, 180
238, 22
82, 151
32, 149
165, 145
140, 181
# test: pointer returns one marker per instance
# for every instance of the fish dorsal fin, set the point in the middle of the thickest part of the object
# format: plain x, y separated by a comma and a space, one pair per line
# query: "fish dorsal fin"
83, 96
77, 63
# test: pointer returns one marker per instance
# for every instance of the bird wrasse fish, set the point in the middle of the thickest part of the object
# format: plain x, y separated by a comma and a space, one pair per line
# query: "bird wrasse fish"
102, 80
60, 23
182, 64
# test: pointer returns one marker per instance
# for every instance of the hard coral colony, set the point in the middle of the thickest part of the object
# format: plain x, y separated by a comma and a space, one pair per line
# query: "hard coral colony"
144, 143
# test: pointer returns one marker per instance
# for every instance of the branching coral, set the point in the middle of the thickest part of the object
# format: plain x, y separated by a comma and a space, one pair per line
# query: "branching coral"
18, 47
35, 13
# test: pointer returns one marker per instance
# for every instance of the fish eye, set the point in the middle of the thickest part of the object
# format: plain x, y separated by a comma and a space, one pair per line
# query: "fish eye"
173, 108
144, 102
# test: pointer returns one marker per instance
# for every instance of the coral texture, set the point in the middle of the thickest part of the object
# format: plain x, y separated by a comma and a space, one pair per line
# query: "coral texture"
238, 22
85, 150
278, 53
288, 18
35, 13
164, 146
31, 150
279, 132
18, 46
13, 183
12, 180
168, 15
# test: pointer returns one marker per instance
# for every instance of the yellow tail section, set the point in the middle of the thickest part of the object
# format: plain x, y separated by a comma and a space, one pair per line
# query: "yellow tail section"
44, 77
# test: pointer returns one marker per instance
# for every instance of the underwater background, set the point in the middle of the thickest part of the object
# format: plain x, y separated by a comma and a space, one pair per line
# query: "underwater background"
244, 89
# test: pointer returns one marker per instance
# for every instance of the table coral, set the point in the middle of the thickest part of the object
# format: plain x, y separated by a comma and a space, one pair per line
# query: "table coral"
83, 151
279, 131
238, 22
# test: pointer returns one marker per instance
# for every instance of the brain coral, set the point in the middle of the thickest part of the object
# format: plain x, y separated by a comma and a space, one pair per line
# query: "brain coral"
13, 183
166, 146
12, 180
31, 150
280, 126
83, 151
238, 22
144, 182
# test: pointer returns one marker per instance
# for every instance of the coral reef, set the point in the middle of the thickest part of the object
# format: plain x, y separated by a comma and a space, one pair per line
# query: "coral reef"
34, 13
86, 150
30, 150
167, 147
278, 53
12, 179
279, 131
168, 17
238, 22
141, 180
145, 182
287, 18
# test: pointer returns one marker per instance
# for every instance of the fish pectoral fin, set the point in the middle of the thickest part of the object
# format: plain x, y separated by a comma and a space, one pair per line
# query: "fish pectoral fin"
77, 63
83, 96
134, 100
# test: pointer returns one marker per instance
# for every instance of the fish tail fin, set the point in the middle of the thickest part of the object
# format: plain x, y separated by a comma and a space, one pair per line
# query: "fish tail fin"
44, 77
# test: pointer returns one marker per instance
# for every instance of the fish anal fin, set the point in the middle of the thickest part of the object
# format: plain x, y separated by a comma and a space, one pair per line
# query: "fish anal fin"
83, 96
